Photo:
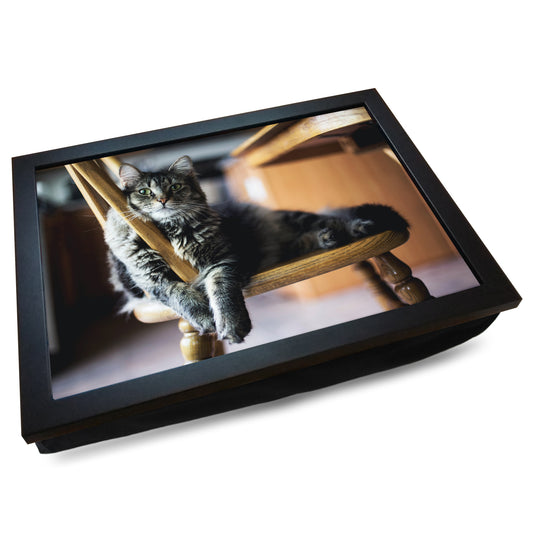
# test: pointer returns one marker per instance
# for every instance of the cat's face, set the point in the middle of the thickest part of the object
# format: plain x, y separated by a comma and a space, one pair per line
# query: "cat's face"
165, 195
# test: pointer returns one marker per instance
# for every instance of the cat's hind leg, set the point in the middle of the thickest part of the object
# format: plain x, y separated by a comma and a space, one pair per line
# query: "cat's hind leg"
316, 232
370, 219
332, 233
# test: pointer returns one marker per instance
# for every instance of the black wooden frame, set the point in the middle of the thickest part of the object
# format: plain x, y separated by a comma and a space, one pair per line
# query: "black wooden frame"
217, 384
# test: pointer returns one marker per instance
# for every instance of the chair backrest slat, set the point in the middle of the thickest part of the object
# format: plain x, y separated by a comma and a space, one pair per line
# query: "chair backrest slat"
94, 183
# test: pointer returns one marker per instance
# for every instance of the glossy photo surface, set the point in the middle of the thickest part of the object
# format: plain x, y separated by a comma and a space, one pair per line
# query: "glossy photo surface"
314, 164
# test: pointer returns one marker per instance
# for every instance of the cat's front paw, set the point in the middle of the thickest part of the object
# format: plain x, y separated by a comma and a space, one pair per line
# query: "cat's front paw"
234, 327
203, 323
200, 317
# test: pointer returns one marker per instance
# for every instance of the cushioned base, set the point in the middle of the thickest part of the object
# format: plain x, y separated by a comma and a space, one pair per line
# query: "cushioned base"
280, 386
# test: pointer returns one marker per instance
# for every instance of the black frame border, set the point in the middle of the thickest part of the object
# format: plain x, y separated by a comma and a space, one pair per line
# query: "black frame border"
44, 417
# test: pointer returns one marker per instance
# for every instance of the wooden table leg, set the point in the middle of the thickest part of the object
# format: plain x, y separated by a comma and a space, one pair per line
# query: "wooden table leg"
410, 290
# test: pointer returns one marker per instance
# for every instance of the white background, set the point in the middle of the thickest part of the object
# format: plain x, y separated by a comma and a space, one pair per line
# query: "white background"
442, 445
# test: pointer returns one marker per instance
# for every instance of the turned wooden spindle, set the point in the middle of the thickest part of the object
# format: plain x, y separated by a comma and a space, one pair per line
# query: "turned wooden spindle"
381, 291
196, 347
410, 290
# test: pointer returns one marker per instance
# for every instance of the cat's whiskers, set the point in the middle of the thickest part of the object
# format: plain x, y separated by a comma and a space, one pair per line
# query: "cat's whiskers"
129, 215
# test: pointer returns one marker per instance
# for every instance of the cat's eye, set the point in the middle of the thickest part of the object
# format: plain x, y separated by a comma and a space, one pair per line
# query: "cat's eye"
145, 192
175, 187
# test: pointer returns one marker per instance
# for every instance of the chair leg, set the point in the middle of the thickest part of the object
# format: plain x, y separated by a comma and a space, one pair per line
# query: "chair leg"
410, 290
382, 292
196, 347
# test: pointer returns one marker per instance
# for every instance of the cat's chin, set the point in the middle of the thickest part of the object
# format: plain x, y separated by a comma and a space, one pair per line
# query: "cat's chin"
163, 214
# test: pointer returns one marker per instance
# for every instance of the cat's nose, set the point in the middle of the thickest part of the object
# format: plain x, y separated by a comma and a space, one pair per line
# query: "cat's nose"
163, 200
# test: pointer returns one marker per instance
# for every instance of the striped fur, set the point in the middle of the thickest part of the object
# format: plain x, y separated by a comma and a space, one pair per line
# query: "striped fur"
227, 244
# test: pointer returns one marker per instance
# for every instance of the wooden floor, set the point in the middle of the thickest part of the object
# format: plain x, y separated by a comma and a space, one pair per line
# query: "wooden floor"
122, 349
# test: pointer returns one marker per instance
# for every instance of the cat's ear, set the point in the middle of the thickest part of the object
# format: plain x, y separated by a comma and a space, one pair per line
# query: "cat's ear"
128, 174
183, 165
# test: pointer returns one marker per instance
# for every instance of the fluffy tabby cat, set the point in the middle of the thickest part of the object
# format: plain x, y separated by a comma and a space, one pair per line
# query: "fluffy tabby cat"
226, 244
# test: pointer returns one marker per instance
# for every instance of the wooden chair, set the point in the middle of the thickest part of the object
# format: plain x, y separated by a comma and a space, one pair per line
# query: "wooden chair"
390, 279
